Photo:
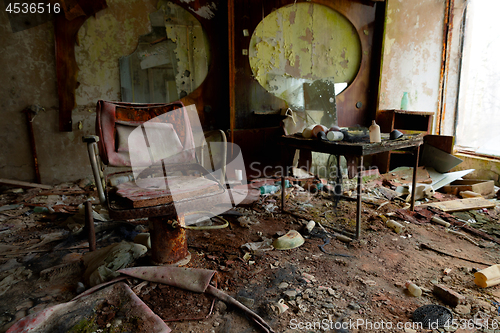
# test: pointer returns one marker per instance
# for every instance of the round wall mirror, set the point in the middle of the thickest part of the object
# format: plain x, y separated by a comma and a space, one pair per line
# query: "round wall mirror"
170, 62
304, 45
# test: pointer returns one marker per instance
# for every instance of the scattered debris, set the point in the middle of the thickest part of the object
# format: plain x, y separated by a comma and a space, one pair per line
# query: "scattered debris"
447, 295
102, 265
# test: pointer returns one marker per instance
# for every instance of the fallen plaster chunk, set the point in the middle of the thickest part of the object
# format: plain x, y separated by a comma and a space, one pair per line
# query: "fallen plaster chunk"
447, 295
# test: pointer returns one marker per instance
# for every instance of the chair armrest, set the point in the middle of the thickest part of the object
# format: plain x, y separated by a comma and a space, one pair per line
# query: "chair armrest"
221, 133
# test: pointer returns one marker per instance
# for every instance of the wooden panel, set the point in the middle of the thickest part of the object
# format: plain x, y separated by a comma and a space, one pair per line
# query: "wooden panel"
462, 204
16, 183
483, 187
66, 68
443, 142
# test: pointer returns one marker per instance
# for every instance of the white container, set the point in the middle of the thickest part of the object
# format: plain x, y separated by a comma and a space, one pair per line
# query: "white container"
397, 227
488, 277
307, 132
335, 136
374, 132
310, 226
413, 289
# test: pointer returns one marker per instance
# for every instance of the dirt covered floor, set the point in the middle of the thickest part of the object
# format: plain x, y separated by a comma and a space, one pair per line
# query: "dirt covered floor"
325, 285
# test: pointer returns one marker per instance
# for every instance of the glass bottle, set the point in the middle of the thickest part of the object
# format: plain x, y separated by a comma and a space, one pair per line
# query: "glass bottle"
404, 101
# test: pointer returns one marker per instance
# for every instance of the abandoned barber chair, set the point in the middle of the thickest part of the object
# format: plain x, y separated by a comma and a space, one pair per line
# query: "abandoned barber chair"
159, 175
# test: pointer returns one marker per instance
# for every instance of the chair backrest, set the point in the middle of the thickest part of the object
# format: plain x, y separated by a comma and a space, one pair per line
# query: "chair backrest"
117, 120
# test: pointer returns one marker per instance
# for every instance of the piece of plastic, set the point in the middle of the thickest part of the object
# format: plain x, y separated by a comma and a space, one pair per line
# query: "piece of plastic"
334, 136
268, 189
488, 277
413, 289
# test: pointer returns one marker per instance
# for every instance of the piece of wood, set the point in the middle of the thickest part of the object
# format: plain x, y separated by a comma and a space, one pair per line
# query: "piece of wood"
18, 183
462, 204
443, 142
483, 187
158, 191
66, 33
407, 216
350, 148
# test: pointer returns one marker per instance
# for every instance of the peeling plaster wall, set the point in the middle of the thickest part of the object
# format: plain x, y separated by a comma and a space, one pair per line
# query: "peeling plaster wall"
103, 40
484, 168
411, 60
28, 74
28, 77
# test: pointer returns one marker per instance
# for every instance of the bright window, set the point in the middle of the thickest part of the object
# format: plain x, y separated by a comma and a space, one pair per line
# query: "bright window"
478, 125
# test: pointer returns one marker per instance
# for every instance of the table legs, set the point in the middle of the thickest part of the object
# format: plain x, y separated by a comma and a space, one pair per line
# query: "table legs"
358, 201
286, 154
414, 179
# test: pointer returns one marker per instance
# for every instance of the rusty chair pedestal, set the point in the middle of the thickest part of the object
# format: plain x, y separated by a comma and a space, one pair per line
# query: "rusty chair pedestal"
168, 241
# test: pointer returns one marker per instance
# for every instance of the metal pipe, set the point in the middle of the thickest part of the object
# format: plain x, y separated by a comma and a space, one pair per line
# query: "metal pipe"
414, 179
232, 66
92, 149
89, 225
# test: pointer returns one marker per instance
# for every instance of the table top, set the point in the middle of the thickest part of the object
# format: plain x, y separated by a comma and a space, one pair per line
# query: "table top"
351, 148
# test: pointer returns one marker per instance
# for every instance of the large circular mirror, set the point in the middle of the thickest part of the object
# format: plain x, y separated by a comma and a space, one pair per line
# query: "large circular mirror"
170, 62
302, 44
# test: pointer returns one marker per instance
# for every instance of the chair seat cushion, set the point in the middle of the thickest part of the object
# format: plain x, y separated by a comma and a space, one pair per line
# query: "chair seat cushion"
159, 191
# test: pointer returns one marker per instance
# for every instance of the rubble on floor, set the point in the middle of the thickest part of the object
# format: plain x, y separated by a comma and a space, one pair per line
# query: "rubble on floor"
330, 282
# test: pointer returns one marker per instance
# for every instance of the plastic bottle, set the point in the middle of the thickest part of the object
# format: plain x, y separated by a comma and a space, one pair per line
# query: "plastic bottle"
287, 183
334, 136
404, 101
374, 132
268, 189
413, 289
397, 227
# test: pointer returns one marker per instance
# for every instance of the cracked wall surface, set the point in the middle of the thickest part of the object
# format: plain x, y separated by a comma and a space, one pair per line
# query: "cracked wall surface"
412, 54
29, 78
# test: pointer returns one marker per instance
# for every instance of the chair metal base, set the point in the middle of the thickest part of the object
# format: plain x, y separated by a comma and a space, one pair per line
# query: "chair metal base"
168, 240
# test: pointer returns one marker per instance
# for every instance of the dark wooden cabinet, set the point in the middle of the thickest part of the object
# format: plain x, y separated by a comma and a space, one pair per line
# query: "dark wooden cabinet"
408, 122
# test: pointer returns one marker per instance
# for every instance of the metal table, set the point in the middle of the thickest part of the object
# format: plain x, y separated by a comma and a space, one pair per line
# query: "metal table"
355, 150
